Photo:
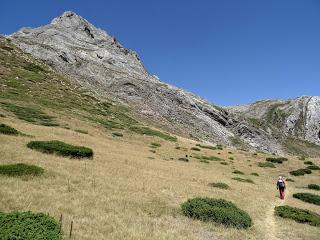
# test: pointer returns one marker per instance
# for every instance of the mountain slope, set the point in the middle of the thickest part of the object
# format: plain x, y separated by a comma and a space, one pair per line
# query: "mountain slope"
98, 62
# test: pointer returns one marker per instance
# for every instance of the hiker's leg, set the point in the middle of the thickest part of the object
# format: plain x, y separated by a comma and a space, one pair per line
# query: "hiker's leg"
280, 193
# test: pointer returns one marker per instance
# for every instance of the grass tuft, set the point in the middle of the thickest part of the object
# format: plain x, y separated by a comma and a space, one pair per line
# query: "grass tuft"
238, 172
183, 159
266, 164
219, 185
216, 210
254, 174
61, 148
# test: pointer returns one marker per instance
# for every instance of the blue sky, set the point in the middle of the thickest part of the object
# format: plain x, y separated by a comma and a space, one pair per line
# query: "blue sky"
227, 51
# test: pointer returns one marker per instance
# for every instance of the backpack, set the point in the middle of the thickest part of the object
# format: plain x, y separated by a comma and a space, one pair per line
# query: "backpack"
281, 184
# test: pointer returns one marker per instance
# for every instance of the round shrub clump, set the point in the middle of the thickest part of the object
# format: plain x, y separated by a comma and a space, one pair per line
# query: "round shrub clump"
28, 226
61, 148
20, 169
299, 215
216, 210
300, 172
308, 197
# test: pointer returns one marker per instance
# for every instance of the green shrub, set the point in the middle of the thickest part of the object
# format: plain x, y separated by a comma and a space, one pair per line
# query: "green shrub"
151, 132
300, 172
308, 163
195, 149
289, 180
313, 167
20, 169
243, 180
117, 134
308, 197
231, 158
299, 215
61, 148
219, 185
314, 186
219, 146
238, 172
276, 160
254, 174
7, 130
183, 159
31, 115
266, 164
216, 210
28, 226
207, 147
81, 131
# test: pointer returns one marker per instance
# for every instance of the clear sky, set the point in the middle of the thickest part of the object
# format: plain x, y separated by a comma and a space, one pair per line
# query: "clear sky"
227, 51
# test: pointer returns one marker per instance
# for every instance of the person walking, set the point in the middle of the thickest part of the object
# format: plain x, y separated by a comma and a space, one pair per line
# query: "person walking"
281, 186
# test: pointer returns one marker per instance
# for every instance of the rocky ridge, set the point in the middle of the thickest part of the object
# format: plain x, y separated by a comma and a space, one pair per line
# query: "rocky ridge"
76, 48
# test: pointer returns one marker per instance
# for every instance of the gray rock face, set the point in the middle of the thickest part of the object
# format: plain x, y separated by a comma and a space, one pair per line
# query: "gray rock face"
76, 48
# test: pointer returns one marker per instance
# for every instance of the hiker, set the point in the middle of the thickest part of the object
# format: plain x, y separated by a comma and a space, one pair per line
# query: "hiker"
281, 185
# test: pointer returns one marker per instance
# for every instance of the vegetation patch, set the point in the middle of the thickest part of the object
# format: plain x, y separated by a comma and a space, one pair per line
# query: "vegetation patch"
246, 180
300, 172
314, 186
204, 161
81, 131
254, 174
7, 130
308, 163
216, 210
308, 197
219, 146
238, 172
299, 215
183, 159
117, 134
224, 163
151, 132
276, 160
28, 226
31, 115
61, 148
20, 169
195, 149
219, 185
313, 167
155, 145
266, 164
206, 146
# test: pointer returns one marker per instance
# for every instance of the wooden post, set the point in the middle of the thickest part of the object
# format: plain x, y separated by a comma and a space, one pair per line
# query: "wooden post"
70, 235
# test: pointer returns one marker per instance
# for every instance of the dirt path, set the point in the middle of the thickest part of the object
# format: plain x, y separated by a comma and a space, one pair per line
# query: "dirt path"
270, 224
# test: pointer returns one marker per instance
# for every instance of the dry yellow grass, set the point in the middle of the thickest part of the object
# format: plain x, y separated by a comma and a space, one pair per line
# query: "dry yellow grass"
128, 192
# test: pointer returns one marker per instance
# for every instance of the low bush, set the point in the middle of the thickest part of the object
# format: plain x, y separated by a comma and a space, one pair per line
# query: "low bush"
224, 163
238, 172
81, 131
254, 174
20, 169
151, 132
276, 160
314, 186
117, 134
299, 215
313, 167
7, 130
308, 197
216, 210
243, 180
61, 148
300, 172
231, 158
266, 164
219, 185
183, 159
195, 149
28, 226
308, 163
207, 147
